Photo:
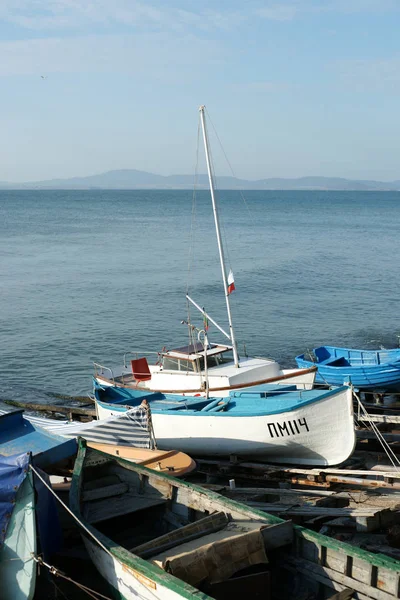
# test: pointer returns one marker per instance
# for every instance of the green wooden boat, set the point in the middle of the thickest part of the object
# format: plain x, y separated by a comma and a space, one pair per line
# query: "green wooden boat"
156, 537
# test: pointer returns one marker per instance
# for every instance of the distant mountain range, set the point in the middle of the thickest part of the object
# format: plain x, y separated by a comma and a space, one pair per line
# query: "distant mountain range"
126, 179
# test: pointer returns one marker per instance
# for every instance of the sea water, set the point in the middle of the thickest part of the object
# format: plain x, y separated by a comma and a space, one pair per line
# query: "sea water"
89, 275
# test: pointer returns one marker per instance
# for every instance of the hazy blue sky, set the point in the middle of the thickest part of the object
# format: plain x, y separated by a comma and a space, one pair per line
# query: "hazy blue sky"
294, 88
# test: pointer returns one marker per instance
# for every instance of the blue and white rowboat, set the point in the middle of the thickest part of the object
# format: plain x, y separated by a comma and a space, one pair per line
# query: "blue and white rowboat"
310, 427
373, 370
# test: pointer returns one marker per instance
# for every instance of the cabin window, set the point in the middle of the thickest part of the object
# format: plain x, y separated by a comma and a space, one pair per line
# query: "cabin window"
217, 359
177, 364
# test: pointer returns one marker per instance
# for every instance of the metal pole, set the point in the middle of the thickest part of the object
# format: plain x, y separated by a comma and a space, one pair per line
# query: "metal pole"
219, 240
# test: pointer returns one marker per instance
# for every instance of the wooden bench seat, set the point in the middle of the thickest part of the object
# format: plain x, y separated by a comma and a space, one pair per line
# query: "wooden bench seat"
116, 506
188, 532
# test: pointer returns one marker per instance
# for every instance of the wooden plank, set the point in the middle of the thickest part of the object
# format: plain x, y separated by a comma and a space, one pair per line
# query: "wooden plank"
380, 418
313, 570
345, 594
280, 470
364, 434
189, 532
102, 510
105, 492
309, 511
278, 535
75, 410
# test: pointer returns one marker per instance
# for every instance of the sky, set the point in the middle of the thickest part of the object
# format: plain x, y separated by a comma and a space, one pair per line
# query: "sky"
293, 88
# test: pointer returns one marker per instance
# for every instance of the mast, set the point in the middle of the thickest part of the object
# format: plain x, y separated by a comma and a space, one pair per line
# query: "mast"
219, 240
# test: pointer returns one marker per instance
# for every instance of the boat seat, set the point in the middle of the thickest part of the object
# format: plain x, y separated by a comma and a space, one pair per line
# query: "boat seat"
337, 362
116, 506
191, 531
217, 555
140, 369
216, 405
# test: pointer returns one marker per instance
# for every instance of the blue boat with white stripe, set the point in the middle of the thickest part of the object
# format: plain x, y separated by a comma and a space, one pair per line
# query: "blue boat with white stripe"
369, 370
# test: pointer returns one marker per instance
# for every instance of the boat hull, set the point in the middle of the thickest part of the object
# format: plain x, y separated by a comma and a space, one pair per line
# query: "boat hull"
317, 433
170, 462
17, 566
364, 369
302, 378
130, 583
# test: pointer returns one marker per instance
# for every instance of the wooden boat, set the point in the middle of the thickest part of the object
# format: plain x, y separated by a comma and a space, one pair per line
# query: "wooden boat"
155, 537
17, 528
309, 427
128, 435
365, 369
201, 366
166, 461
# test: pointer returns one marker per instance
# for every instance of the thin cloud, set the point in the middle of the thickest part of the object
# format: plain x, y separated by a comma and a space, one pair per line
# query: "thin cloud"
278, 12
142, 54
79, 14
287, 11
371, 75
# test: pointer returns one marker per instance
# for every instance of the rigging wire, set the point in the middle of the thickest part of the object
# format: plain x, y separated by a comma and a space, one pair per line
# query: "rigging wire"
231, 170
215, 181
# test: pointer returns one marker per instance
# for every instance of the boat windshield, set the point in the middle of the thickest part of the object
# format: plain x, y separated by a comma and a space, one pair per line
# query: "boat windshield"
213, 360
178, 364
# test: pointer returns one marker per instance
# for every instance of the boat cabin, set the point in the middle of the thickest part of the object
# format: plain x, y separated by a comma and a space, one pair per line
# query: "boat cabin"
191, 358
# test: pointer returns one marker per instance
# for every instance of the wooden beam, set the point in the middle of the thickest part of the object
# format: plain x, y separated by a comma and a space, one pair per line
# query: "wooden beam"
345, 594
189, 532
315, 571
278, 535
65, 410
380, 418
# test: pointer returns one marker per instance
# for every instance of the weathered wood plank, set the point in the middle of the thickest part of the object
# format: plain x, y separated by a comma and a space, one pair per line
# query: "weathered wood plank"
54, 408
280, 534
189, 532
380, 418
345, 594
102, 510
313, 570
105, 492
364, 434
308, 511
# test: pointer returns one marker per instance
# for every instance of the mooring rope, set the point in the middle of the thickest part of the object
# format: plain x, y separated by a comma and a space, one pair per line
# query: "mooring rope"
57, 573
385, 445
70, 512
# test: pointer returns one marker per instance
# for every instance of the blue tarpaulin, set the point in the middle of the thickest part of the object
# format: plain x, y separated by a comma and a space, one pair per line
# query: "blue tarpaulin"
13, 470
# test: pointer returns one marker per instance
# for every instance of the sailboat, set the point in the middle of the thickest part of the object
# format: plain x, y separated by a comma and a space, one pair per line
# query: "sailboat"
201, 367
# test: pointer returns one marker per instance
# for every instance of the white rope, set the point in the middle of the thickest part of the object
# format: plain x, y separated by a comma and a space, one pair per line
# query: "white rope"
71, 513
388, 451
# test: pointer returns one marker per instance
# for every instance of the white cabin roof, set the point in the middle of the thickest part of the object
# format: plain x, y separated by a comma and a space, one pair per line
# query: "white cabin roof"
196, 351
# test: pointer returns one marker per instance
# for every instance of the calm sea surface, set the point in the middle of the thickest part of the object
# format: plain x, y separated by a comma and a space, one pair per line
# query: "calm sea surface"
89, 275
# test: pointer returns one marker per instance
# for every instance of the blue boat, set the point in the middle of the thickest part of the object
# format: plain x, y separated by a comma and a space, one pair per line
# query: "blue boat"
309, 427
18, 436
369, 370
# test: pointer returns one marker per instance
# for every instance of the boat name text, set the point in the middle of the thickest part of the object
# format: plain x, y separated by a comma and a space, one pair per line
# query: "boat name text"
287, 427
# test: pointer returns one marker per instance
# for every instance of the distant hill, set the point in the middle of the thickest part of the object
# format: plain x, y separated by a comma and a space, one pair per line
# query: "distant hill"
126, 179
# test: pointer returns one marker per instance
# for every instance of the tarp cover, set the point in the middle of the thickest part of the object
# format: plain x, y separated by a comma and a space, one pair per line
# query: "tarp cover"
13, 470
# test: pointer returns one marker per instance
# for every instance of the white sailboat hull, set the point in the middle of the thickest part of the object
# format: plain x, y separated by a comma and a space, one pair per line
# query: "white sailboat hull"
219, 385
319, 433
